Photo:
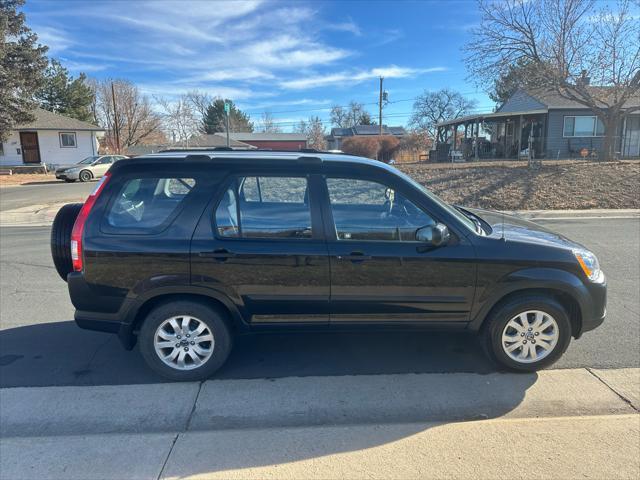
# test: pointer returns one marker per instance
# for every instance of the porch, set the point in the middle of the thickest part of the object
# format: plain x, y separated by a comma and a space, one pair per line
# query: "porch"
504, 136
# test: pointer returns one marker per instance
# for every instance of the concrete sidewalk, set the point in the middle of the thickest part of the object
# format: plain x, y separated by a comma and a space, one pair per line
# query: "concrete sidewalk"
553, 424
598, 447
307, 401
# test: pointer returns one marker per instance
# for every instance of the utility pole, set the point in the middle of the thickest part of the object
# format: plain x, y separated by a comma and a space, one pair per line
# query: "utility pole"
380, 112
227, 110
115, 118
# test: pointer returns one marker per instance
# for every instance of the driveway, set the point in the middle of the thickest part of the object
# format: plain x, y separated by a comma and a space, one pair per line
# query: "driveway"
41, 345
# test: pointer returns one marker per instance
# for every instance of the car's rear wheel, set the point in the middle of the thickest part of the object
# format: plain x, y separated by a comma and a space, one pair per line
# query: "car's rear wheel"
185, 340
527, 333
61, 238
85, 176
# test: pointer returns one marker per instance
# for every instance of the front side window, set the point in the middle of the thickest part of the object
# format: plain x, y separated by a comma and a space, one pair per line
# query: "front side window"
67, 139
367, 210
146, 203
264, 207
583, 126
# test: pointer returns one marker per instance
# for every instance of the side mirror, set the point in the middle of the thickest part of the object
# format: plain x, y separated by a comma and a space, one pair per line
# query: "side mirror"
435, 235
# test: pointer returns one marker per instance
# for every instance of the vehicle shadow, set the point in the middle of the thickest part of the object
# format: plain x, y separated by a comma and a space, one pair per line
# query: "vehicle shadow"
60, 353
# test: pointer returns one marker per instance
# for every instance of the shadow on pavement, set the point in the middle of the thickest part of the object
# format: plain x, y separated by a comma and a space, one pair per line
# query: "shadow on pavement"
62, 354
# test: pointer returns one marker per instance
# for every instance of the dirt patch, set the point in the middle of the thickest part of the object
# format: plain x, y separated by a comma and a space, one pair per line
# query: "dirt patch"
27, 179
512, 186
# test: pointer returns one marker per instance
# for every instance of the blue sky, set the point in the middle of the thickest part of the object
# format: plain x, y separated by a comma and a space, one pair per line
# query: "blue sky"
294, 59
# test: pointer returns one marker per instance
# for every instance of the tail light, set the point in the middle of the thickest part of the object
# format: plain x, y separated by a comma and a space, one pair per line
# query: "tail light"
81, 219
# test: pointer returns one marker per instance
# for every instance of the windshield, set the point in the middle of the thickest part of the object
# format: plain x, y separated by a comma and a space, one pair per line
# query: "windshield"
470, 224
89, 160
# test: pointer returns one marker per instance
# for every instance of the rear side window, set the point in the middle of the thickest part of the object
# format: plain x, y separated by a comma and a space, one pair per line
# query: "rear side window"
264, 207
147, 203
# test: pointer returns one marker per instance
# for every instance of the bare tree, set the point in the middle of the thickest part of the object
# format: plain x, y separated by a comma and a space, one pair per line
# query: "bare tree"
180, 119
315, 132
347, 117
200, 101
585, 54
137, 121
433, 107
268, 123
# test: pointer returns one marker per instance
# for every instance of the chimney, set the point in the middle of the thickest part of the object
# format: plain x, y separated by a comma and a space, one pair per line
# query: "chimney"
583, 80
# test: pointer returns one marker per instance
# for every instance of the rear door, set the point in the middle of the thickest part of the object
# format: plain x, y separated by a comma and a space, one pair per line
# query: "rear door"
261, 244
379, 272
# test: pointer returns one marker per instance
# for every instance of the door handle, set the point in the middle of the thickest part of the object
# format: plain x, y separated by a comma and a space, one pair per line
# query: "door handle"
355, 257
220, 254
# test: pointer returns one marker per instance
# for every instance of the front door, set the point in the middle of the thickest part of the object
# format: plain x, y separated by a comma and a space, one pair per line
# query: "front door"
30, 147
379, 272
262, 246
101, 166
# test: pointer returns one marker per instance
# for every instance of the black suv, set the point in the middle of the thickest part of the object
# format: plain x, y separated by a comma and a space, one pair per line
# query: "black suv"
182, 251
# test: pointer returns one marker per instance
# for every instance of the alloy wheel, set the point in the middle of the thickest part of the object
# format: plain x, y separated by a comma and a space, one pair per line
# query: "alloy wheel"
183, 342
530, 336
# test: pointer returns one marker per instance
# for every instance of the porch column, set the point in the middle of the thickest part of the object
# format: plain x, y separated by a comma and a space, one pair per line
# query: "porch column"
519, 138
476, 148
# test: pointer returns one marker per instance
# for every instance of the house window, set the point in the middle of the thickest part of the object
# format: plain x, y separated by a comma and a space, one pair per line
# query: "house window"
583, 126
68, 139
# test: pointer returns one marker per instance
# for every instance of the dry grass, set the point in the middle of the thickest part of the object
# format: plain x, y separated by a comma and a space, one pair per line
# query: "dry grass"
512, 186
26, 178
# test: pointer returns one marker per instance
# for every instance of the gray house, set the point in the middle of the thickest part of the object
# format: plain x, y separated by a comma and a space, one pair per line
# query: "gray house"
540, 123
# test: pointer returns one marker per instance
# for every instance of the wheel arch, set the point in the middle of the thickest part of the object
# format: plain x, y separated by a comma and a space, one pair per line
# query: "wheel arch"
562, 286
215, 300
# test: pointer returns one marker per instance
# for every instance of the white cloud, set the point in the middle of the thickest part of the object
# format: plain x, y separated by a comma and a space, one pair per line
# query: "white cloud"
353, 77
56, 39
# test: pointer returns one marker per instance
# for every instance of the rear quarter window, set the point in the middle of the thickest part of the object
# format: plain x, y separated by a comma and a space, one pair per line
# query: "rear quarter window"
144, 205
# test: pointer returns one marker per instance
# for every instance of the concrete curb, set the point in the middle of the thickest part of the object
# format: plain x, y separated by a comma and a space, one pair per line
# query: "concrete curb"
307, 401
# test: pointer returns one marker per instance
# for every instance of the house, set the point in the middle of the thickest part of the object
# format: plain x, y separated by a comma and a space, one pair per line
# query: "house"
270, 141
540, 123
334, 139
213, 140
51, 139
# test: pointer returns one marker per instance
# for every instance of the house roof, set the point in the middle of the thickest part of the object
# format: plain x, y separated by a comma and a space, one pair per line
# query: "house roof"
367, 130
216, 140
265, 136
553, 100
46, 120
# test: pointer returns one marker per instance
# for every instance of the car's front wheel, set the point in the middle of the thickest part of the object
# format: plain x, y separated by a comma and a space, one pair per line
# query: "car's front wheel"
527, 333
85, 176
185, 340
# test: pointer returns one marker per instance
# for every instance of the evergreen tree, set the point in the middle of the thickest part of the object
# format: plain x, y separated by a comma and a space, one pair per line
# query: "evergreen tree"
63, 94
214, 119
22, 62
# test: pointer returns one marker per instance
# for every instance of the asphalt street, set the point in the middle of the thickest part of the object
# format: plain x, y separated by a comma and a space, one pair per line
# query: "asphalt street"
40, 345
46, 192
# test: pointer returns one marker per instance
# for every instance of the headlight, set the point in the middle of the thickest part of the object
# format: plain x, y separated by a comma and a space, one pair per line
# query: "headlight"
589, 264
71, 170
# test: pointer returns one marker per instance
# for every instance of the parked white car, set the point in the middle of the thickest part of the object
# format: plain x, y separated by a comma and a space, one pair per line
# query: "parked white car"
88, 169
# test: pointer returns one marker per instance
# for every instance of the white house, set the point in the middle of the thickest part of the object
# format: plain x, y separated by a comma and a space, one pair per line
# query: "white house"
51, 139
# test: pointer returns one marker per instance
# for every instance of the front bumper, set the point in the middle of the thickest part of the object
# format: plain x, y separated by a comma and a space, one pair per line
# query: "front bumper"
594, 313
67, 175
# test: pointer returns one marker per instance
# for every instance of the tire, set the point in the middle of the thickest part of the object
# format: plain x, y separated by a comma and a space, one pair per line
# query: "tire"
213, 320
61, 238
85, 176
557, 337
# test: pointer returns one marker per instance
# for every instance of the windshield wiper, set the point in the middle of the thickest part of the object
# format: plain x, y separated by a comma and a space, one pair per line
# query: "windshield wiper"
476, 221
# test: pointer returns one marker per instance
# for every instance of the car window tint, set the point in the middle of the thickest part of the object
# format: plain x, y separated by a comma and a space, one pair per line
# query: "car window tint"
366, 210
264, 207
274, 189
148, 202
